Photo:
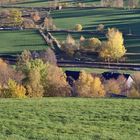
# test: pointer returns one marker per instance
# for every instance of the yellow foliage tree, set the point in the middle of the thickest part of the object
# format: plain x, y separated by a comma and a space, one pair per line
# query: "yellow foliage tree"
14, 90
113, 49
78, 27
15, 17
89, 86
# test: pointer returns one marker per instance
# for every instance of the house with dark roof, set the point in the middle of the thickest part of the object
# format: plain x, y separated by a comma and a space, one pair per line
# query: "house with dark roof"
127, 80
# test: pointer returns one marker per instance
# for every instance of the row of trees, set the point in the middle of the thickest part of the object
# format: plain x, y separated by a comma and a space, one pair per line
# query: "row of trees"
35, 78
120, 3
15, 18
110, 50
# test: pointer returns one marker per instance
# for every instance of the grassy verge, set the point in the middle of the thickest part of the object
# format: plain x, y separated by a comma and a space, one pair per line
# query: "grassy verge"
69, 119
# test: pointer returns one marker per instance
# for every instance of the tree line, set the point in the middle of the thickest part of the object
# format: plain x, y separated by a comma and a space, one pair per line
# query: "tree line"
36, 74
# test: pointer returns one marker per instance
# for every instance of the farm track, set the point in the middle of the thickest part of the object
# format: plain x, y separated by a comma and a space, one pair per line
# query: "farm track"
82, 64
119, 66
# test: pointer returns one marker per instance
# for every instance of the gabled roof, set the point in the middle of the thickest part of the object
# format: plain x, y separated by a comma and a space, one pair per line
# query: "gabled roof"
114, 75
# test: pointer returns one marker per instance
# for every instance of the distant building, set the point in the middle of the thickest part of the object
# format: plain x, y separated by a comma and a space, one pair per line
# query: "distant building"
114, 75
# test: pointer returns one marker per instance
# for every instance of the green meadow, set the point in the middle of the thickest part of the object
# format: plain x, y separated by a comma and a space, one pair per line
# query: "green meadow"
124, 19
44, 3
17, 41
69, 119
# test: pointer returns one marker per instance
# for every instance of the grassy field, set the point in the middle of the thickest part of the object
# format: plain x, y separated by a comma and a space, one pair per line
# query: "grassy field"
69, 119
89, 18
43, 3
17, 41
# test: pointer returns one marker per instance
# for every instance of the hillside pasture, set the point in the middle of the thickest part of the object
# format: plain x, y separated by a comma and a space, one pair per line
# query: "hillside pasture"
126, 20
40, 3
69, 119
12, 42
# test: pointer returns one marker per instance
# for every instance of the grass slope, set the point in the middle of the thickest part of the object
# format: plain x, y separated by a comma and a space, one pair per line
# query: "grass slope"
17, 41
91, 17
43, 3
69, 119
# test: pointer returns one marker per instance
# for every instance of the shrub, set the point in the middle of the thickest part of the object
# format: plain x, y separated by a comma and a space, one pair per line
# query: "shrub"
91, 44
78, 27
100, 28
89, 86
13, 90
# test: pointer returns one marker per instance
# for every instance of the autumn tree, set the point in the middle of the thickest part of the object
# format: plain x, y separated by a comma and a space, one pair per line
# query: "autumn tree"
13, 90
112, 87
35, 71
55, 83
91, 44
133, 3
89, 86
15, 17
135, 89
6, 72
100, 27
35, 16
112, 3
23, 59
28, 24
69, 46
113, 49
48, 56
48, 24
78, 27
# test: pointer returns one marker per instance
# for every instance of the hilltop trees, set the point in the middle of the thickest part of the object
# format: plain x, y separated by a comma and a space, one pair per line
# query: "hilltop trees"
113, 48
